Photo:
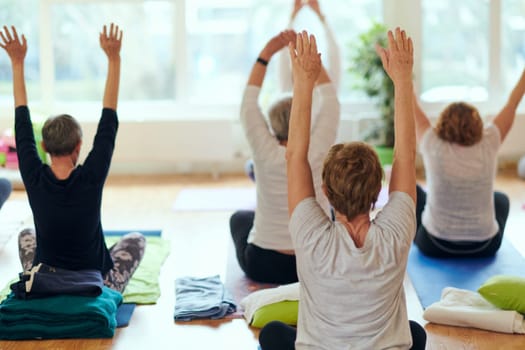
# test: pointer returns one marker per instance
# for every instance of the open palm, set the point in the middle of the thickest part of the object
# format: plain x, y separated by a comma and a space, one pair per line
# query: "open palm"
15, 48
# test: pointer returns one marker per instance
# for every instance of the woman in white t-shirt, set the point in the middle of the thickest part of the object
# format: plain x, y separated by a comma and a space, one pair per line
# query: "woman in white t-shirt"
459, 214
351, 271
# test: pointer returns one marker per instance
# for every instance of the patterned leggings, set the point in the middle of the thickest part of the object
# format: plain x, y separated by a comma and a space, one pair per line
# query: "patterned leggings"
126, 254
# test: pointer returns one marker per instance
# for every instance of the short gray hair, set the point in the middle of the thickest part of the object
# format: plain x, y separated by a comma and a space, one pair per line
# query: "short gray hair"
279, 115
61, 134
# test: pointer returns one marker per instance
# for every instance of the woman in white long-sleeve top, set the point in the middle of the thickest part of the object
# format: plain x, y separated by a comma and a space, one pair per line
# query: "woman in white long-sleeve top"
262, 239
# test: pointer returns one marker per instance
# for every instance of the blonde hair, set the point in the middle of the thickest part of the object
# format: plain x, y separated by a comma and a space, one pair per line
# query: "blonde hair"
279, 115
352, 178
460, 123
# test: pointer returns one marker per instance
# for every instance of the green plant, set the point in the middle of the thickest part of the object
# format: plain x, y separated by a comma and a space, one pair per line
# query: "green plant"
369, 75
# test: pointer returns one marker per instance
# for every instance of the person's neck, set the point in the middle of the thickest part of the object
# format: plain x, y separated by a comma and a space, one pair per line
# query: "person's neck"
62, 166
357, 227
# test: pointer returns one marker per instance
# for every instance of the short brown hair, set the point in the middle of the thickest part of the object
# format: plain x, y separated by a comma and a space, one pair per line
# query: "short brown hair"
352, 178
460, 123
61, 134
279, 115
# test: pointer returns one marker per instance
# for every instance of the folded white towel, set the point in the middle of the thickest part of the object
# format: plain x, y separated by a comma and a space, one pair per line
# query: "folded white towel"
464, 308
264, 297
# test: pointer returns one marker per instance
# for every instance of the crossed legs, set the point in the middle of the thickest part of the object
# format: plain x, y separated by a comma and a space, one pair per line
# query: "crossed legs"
127, 254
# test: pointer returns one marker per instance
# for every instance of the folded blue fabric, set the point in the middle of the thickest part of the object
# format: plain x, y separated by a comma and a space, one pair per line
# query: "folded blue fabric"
62, 316
44, 280
202, 298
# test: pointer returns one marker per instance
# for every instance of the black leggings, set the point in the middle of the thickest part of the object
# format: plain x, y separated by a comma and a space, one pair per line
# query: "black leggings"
435, 247
261, 265
279, 336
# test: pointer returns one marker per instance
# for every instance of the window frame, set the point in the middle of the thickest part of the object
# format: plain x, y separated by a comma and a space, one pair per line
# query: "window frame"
398, 13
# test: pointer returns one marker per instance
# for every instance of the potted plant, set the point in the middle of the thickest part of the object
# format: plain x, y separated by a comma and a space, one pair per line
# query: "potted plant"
369, 75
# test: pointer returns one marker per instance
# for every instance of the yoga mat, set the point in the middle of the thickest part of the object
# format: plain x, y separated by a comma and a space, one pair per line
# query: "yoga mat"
124, 313
231, 199
147, 233
143, 288
430, 275
238, 284
215, 199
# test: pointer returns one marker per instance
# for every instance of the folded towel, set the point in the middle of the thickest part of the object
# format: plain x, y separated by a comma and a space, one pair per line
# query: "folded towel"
464, 308
43, 281
62, 316
260, 298
202, 298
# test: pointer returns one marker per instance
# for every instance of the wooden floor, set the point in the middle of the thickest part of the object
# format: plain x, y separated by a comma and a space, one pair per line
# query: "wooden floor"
199, 247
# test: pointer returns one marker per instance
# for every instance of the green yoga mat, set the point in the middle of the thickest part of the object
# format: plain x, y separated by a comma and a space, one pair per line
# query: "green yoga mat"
143, 288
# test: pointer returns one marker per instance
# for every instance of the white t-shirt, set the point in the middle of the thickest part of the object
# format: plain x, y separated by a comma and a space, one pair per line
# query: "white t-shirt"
270, 229
460, 194
353, 298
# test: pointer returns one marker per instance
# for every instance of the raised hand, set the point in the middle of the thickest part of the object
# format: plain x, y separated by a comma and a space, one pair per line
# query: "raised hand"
278, 42
15, 48
111, 42
398, 58
306, 61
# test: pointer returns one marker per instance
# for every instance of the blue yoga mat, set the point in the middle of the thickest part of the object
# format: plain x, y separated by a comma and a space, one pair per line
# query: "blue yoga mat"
154, 233
124, 313
430, 275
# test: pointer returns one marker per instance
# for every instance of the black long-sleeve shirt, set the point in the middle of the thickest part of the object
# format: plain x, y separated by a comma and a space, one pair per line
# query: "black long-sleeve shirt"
66, 212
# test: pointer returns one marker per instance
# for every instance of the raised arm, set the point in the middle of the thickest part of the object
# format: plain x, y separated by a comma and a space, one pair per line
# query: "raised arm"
505, 118
398, 61
334, 53
422, 121
297, 6
275, 44
28, 159
327, 114
16, 50
324, 77
306, 66
111, 43
284, 69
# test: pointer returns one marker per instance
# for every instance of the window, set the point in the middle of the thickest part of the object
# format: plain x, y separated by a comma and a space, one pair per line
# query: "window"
455, 52
216, 33
188, 59
80, 65
195, 52
224, 38
513, 42
21, 14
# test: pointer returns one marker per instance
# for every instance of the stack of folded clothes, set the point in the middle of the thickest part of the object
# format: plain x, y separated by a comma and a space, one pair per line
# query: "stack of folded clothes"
198, 298
37, 310
43, 281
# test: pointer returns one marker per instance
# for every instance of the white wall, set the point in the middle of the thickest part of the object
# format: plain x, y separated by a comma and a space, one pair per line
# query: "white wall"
217, 146
211, 145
